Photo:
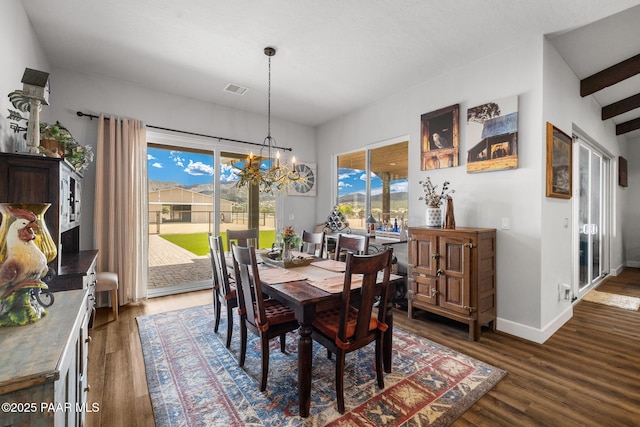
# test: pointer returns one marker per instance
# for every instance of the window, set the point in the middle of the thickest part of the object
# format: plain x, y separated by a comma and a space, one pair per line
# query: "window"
374, 182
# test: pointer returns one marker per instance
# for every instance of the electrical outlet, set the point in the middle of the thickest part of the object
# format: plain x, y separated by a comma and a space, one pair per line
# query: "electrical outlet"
292, 217
505, 223
564, 292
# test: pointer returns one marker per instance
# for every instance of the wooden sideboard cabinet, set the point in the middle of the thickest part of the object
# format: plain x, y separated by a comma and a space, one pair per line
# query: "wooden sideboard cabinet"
452, 273
37, 179
77, 271
43, 374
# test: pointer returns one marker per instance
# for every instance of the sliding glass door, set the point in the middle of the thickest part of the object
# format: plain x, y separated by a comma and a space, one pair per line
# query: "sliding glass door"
192, 192
592, 216
244, 208
181, 213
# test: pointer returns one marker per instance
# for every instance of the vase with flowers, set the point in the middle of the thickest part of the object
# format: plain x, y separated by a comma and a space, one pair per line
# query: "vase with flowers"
434, 199
290, 240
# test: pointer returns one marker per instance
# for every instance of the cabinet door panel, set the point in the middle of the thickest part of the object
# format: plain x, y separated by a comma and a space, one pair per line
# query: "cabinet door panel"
425, 289
454, 283
421, 255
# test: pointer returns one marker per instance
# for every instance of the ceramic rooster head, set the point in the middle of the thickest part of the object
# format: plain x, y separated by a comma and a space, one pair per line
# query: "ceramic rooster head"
25, 264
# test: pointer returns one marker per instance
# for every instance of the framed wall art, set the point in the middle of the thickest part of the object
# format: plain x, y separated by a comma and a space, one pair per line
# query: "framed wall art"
492, 134
307, 185
622, 172
559, 157
439, 145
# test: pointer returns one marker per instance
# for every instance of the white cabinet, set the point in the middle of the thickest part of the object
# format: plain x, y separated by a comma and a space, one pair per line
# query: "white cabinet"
43, 375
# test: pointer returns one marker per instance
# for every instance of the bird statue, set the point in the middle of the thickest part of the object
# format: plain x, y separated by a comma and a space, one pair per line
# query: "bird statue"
21, 272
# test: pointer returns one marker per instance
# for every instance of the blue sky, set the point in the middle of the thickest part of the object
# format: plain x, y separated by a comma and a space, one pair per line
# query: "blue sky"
184, 167
194, 168
355, 181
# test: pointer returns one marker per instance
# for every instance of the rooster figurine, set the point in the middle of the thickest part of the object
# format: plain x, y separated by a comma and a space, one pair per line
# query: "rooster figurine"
24, 267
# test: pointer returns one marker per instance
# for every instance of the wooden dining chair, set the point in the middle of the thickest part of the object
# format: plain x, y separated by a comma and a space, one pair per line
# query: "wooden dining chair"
224, 292
351, 244
346, 328
313, 243
266, 318
242, 238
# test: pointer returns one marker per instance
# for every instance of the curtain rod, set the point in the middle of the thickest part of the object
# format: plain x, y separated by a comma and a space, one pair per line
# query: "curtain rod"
219, 138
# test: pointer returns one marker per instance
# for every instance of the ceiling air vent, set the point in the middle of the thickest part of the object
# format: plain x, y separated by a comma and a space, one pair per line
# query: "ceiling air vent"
238, 90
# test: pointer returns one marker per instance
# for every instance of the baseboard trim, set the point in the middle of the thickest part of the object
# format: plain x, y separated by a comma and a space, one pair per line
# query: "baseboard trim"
633, 264
532, 334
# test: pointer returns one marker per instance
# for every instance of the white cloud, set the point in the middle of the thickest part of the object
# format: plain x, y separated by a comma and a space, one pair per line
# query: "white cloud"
176, 156
399, 187
199, 168
228, 173
150, 157
157, 165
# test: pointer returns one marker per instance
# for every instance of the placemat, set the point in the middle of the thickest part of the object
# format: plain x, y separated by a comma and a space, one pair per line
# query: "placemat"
331, 265
334, 285
280, 275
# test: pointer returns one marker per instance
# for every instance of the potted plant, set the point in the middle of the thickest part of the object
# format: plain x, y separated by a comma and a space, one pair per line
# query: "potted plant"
434, 199
57, 141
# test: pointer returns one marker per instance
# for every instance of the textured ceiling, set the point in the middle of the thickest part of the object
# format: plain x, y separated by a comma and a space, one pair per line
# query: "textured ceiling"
333, 56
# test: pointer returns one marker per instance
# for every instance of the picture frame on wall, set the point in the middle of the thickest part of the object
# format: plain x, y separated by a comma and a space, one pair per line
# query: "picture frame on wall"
492, 135
559, 163
622, 172
439, 146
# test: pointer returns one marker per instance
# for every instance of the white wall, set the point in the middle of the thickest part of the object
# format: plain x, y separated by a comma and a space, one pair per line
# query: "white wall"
567, 110
93, 94
481, 199
20, 50
630, 228
536, 253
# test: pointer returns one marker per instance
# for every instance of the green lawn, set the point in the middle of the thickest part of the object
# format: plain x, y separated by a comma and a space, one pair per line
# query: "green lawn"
197, 244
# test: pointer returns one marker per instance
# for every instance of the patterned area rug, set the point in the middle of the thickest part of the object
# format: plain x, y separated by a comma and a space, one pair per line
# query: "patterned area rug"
194, 380
614, 300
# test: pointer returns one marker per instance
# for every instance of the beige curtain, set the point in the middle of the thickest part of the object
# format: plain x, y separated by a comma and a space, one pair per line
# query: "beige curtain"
121, 205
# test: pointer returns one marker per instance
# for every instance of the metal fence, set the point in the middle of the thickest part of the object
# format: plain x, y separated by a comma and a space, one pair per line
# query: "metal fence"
202, 221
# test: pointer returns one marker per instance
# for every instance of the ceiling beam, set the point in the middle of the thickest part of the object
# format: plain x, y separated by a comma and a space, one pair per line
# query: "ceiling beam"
610, 76
627, 127
617, 108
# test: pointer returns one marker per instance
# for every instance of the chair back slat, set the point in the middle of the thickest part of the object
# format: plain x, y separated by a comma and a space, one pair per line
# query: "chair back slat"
248, 284
221, 274
313, 243
214, 268
351, 244
243, 238
368, 266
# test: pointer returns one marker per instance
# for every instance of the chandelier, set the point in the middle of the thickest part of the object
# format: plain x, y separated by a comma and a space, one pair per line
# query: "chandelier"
265, 171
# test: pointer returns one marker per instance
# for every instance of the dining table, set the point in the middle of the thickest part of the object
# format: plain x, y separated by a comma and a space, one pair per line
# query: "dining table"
311, 287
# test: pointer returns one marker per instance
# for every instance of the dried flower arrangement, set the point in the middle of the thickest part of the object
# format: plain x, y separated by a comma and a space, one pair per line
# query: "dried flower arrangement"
431, 196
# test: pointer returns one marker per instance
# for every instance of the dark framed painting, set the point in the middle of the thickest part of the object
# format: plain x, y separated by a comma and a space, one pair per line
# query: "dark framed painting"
559, 158
622, 172
492, 135
439, 146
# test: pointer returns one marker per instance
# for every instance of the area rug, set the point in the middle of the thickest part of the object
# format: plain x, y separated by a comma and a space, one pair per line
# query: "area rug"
194, 380
620, 301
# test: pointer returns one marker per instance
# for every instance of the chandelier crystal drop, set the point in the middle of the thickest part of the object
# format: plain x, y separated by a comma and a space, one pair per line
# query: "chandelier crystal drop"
265, 171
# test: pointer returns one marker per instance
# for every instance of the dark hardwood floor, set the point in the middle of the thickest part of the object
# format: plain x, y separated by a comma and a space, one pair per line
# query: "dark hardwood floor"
586, 374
